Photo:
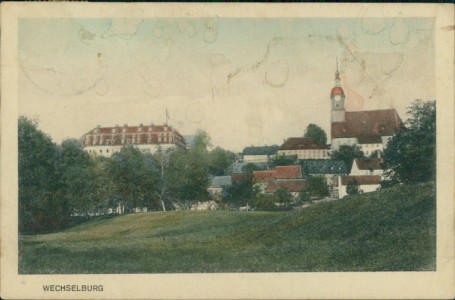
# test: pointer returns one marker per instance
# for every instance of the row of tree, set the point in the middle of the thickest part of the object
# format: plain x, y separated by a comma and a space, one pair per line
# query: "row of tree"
60, 181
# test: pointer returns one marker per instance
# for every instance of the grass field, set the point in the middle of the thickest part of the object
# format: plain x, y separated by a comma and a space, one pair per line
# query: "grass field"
390, 230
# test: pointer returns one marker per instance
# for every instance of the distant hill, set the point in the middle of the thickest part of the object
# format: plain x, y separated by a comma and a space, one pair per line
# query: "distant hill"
390, 230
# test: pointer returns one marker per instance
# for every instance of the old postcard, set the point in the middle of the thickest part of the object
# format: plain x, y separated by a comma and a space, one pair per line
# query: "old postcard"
214, 151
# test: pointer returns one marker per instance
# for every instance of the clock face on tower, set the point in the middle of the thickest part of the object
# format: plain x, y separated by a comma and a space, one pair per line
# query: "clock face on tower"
337, 97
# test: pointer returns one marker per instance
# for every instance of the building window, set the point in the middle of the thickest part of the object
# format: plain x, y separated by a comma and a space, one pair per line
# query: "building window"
101, 151
107, 150
128, 141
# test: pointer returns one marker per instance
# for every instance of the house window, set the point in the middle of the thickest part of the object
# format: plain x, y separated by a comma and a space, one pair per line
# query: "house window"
128, 141
101, 151
107, 150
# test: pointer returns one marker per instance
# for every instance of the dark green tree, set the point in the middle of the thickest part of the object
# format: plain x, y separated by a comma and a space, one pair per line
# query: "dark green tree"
187, 175
347, 154
41, 206
240, 193
135, 178
411, 153
316, 132
283, 196
76, 174
249, 168
219, 160
316, 187
353, 188
283, 160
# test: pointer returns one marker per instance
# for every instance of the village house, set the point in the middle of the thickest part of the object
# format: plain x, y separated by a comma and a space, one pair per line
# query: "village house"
330, 169
286, 177
367, 166
366, 183
259, 154
218, 183
304, 148
105, 141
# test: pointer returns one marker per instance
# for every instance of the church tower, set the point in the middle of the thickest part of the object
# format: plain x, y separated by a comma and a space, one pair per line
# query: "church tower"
337, 97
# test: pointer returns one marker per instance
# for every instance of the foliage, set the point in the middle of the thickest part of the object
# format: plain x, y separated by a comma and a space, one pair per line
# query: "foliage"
135, 177
240, 193
347, 154
411, 153
264, 203
283, 196
283, 160
249, 168
389, 230
316, 132
316, 187
353, 188
219, 160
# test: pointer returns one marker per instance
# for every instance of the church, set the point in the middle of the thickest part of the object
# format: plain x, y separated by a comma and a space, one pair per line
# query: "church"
370, 130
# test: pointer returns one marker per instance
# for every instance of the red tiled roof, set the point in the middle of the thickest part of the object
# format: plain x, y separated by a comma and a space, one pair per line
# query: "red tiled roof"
301, 143
290, 185
288, 172
361, 180
370, 164
264, 176
367, 125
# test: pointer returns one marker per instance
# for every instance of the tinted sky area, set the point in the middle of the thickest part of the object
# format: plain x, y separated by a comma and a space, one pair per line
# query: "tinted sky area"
246, 82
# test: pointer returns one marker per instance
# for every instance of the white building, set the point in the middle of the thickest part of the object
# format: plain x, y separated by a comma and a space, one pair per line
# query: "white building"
105, 141
367, 166
366, 183
304, 148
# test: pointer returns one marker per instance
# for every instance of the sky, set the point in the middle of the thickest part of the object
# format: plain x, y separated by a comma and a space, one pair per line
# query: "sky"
245, 81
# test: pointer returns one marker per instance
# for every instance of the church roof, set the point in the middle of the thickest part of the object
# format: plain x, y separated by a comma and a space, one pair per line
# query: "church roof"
367, 125
301, 143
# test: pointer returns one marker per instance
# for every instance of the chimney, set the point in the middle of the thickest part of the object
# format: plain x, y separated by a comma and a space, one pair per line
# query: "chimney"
116, 126
126, 125
141, 125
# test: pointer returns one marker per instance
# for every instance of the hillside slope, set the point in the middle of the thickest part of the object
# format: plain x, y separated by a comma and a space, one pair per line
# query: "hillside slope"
389, 230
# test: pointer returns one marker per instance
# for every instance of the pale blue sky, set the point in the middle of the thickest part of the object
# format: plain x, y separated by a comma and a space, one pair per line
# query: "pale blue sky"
245, 81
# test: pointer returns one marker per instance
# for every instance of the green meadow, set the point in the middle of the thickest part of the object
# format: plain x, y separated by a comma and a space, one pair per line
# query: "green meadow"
389, 230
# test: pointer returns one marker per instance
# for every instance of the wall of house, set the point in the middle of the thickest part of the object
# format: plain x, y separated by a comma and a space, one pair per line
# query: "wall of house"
369, 149
366, 188
255, 158
307, 153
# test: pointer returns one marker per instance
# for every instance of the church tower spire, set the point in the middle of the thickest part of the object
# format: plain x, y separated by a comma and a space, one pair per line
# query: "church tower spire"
337, 99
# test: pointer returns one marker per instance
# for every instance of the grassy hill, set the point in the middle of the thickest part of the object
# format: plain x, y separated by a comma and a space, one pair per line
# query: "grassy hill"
389, 230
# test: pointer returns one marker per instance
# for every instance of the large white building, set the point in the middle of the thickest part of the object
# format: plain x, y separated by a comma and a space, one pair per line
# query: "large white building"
304, 148
105, 141
370, 130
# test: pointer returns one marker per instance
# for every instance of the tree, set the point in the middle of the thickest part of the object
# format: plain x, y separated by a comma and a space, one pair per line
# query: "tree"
347, 154
316, 187
283, 196
219, 160
249, 168
135, 177
240, 193
187, 174
283, 160
41, 206
316, 132
76, 177
411, 153
353, 188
